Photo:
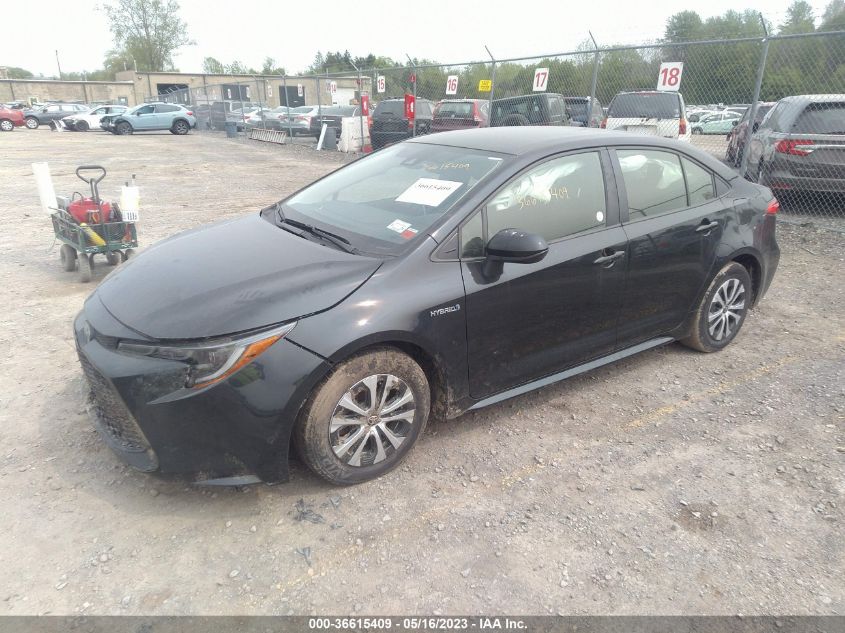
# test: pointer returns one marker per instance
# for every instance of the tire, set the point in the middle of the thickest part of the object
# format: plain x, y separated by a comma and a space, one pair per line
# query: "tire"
123, 128
81, 126
696, 130
113, 258
129, 252
85, 266
6, 125
68, 256
31, 123
732, 283
376, 452
180, 127
514, 120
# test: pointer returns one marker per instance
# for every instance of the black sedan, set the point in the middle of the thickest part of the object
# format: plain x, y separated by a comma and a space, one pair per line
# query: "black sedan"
442, 274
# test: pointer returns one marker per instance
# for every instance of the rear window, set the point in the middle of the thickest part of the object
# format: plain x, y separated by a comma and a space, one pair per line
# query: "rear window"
338, 111
391, 107
530, 107
821, 118
646, 105
454, 110
576, 109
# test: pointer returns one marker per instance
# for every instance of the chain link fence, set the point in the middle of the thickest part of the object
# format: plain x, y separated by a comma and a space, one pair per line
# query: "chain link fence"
773, 108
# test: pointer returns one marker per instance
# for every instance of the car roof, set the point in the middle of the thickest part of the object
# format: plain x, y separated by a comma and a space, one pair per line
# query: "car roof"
544, 140
533, 94
816, 98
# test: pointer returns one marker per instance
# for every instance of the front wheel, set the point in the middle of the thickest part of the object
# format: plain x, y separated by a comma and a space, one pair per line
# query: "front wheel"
6, 125
81, 126
364, 418
123, 128
85, 266
31, 123
68, 256
696, 130
722, 310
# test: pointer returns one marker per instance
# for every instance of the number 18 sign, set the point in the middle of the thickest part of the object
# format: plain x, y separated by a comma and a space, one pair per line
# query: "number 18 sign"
669, 77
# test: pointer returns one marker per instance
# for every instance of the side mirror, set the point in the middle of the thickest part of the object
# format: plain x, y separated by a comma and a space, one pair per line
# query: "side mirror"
513, 246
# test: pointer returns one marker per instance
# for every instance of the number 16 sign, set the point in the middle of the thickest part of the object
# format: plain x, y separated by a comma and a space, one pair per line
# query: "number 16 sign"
669, 77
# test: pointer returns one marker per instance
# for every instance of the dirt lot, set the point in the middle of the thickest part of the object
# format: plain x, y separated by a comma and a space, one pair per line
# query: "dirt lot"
672, 482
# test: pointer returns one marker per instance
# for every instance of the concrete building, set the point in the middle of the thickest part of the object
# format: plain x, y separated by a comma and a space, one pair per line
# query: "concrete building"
43, 90
131, 88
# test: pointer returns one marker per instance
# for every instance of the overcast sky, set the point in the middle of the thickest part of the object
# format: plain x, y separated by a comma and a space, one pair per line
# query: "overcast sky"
291, 33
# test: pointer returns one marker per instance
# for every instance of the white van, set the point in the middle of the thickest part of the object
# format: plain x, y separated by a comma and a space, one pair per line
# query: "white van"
650, 113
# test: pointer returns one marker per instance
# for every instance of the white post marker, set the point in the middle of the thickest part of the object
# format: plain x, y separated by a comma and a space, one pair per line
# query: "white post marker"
380, 84
541, 79
333, 87
669, 76
452, 85
299, 90
44, 182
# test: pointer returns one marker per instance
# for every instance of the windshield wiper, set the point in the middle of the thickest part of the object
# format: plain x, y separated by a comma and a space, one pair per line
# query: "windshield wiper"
341, 242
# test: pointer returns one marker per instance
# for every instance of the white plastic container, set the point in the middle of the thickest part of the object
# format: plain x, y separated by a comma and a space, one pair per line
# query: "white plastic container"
130, 201
46, 192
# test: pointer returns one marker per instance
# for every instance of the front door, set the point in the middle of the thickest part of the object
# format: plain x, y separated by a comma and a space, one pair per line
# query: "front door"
144, 118
526, 321
674, 223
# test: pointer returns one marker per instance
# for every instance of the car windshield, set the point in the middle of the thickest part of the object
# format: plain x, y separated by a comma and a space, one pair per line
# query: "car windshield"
646, 105
454, 110
382, 202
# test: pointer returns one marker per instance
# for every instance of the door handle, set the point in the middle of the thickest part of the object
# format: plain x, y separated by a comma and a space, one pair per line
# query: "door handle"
610, 259
706, 228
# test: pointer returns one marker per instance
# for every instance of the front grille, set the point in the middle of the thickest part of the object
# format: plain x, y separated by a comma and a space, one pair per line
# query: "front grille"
111, 415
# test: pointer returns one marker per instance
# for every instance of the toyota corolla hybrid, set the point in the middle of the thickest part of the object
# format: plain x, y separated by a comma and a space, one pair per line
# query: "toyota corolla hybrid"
439, 275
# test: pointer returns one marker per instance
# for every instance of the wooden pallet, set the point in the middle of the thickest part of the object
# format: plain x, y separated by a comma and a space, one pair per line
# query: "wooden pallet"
269, 136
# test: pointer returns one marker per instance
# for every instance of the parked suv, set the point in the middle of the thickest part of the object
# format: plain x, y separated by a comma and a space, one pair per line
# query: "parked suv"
650, 113
583, 113
390, 125
10, 119
460, 114
533, 109
800, 145
154, 116
737, 135
49, 113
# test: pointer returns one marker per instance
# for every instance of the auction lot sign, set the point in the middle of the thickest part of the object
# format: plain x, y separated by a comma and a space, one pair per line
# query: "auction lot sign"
669, 76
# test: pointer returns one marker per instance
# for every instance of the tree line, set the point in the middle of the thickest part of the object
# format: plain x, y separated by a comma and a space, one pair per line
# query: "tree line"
147, 33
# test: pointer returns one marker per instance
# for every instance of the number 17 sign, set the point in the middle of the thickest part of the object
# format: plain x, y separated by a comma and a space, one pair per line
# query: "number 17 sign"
669, 77
541, 79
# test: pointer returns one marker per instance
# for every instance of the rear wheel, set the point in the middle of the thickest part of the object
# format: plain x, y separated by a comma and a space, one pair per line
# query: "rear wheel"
81, 126
85, 266
123, 128
6, 125
722, 310
113, 258
31, 122
180, 128
68, 256
129, 252
364, 418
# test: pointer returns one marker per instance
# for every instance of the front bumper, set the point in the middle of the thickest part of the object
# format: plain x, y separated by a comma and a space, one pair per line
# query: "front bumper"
237, 427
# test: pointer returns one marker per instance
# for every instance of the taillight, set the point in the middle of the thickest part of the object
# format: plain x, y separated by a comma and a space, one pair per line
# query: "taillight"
476, 115
682, 127
603, 123
773, 207
793, 147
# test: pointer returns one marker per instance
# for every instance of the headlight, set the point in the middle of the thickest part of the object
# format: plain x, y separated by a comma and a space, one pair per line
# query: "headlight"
214, 360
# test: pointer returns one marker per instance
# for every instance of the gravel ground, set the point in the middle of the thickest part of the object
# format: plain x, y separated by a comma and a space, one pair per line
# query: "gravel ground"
672, 482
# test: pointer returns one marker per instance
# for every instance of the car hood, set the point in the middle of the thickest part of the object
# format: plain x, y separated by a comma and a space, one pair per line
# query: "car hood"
230, 277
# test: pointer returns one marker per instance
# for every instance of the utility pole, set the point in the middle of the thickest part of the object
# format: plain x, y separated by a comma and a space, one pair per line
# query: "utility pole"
58, 64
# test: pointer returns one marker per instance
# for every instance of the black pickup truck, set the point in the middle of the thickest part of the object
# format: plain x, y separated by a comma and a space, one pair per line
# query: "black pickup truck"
332, 116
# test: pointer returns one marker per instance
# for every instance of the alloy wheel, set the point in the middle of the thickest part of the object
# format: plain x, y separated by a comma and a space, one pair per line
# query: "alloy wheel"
726, 310
372, 420
31, 123
6, 125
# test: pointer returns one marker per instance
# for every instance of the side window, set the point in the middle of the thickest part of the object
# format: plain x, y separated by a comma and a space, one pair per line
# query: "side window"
166, 108
770, 121
53, 108
555, 108
99, 111
654, 182
699, 183
560, 197
145, 110
472, 237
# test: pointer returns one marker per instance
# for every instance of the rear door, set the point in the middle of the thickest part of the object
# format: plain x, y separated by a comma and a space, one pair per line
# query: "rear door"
674, 222
526, 321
